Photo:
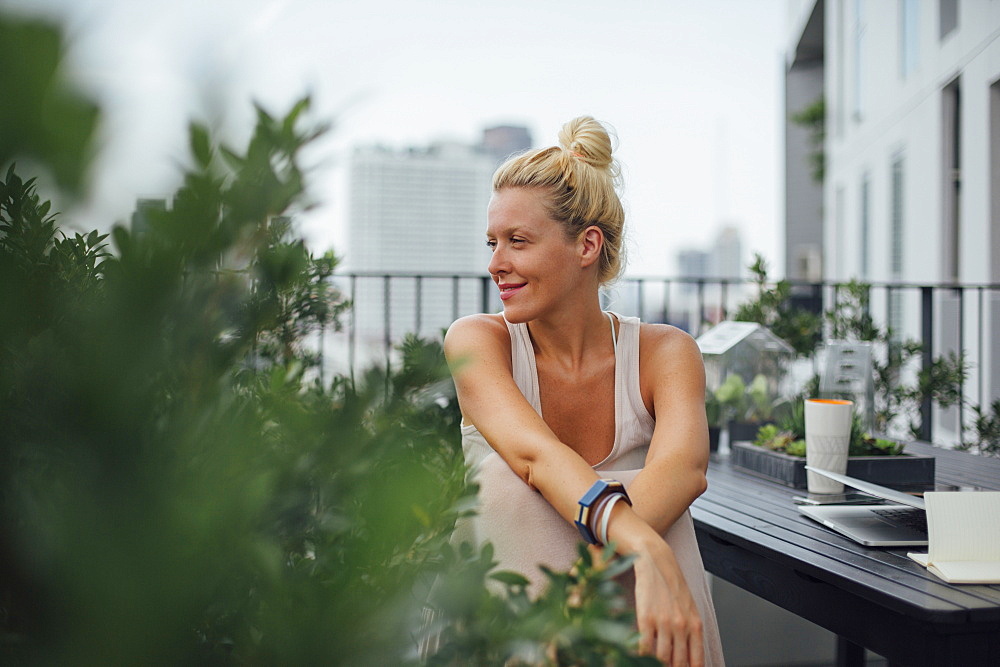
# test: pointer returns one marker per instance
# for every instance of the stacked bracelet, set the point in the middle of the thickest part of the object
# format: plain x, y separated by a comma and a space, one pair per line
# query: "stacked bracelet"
595, 509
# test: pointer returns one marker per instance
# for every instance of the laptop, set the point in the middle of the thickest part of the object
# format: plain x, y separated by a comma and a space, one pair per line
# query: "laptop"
901, 523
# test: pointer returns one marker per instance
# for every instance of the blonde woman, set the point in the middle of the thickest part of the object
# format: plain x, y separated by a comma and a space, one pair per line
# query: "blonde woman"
580, 423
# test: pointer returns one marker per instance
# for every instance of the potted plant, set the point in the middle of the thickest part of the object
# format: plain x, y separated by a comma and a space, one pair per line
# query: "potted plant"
713, 412
731, 395
749, 407
779, 449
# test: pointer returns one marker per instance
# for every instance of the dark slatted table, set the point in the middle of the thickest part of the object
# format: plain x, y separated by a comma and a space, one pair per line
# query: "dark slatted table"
752, 535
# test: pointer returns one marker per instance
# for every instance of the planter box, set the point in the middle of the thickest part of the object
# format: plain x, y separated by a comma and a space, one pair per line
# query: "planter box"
713, 438
744, 431
904, 473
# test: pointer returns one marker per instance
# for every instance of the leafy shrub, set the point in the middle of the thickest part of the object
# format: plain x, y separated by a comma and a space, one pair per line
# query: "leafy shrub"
178, 485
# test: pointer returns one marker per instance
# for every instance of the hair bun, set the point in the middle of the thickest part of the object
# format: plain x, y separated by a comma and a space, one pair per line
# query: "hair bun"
588, 140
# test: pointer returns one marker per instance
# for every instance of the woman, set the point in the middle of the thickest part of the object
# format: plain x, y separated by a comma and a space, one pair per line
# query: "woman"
557, 394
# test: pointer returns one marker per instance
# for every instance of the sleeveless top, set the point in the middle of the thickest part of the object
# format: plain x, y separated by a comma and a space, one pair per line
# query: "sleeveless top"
527, 532
633, 423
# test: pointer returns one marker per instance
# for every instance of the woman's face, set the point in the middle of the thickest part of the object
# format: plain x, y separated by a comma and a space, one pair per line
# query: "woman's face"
534, 264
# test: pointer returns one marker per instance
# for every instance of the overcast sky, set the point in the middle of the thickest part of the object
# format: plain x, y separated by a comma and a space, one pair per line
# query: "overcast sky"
692, 88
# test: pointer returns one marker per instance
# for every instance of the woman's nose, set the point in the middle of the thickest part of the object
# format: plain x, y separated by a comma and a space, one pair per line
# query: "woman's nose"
498, 262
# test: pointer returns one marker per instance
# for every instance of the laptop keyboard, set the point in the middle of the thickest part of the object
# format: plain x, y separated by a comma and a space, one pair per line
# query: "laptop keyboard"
904, 516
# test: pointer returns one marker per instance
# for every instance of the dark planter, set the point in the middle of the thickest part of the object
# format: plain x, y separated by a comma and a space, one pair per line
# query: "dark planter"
904, 473
744, 431
713, 438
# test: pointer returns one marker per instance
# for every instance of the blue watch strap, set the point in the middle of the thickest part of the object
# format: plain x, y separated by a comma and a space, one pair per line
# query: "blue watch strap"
598, 490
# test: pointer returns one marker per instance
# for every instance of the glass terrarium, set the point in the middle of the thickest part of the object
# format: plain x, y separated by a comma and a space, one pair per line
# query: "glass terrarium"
750, 352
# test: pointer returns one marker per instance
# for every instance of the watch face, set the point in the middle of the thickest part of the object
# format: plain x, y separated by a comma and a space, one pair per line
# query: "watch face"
598, 490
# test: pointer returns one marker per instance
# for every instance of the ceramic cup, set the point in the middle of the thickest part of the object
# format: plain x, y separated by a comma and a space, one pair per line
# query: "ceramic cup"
828, 436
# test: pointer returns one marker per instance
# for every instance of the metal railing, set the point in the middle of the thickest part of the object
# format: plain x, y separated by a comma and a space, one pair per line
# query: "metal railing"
962, 318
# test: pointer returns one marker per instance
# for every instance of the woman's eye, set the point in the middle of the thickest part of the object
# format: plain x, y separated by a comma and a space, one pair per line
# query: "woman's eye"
517, 240
492, 245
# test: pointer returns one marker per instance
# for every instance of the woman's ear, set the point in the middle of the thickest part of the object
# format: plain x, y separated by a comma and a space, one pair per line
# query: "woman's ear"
591, 245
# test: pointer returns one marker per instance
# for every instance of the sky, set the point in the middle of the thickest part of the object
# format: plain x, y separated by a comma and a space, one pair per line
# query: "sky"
692, 89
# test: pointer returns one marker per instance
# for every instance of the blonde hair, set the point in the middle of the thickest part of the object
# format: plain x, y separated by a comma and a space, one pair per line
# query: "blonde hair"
580, 176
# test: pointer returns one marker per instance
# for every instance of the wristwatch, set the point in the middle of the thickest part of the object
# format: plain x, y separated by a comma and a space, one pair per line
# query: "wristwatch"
600, 489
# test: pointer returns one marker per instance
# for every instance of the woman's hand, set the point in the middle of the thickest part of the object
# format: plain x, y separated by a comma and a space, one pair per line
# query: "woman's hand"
670, 627
669, 623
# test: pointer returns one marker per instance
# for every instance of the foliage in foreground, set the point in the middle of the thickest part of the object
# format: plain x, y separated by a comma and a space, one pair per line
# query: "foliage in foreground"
486, 617
177, 484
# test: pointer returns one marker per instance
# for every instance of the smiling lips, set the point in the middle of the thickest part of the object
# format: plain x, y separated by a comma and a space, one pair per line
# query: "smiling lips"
507, 290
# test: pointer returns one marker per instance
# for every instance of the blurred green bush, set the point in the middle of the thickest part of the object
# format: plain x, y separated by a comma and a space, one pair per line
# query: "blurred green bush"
178, 483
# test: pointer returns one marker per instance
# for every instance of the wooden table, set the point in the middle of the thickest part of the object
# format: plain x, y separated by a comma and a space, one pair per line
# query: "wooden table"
752, 535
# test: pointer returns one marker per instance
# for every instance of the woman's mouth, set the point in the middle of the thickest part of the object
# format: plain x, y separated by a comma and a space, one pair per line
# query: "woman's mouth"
509, 290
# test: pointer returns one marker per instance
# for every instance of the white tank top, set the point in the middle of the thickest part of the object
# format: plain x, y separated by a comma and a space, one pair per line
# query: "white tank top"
633, 424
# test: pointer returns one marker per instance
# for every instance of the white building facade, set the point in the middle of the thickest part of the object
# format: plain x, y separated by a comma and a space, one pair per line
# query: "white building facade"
416, 211
911, 192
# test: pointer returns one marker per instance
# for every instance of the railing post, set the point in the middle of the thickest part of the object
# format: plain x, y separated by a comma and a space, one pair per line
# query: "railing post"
927, 356
961, 355
980, 324
454, 298
418, 305
723, 309
641, 297
486, 285
386, 309
352, 331
666, 302
701, 308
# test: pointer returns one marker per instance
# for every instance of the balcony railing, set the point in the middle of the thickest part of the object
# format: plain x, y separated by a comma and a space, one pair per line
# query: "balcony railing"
959, 318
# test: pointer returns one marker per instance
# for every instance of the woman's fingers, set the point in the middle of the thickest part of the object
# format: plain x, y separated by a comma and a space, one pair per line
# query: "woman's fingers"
696, 649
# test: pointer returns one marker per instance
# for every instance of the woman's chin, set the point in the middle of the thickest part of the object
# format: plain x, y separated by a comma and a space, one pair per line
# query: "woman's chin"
515, 315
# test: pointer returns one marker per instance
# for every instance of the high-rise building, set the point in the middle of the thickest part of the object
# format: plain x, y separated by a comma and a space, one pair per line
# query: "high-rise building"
421, 211
908, 143
502, 141
727, 254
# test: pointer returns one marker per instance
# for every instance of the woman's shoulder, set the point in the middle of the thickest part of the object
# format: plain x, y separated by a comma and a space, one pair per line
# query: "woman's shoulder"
474, 331
665, 339
664, 334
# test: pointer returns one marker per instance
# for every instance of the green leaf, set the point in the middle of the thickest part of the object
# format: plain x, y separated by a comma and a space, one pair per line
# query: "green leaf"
510, 578
201, 146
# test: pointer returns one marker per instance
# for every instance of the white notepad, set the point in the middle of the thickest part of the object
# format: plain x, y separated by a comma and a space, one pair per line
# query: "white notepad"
963, 530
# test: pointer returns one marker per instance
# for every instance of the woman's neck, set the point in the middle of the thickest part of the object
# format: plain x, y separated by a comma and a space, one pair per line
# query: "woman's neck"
572, 335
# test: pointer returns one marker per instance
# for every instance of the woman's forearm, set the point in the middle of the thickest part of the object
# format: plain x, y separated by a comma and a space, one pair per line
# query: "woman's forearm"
661, 494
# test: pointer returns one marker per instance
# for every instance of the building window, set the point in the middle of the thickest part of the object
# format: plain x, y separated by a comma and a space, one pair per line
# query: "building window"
951, 170
994, 184
865, 232
896, 245
840, 104
838, 234
896, 233
909, 36
857, 87
947, 17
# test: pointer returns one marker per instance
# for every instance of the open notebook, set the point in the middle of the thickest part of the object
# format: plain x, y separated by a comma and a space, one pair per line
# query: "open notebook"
963, 536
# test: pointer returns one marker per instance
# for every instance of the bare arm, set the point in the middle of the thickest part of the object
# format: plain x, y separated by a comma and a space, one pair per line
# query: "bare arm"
478, 349
674, 474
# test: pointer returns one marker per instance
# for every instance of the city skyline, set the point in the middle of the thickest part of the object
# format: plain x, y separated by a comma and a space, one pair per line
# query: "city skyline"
691, 88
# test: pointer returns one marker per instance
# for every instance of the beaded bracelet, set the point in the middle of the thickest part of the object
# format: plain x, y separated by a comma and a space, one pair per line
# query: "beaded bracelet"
586, 518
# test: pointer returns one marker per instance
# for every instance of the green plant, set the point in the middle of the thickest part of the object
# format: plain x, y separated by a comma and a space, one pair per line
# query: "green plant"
895, 399
763, 406
713, 410
731, 396
178, 484
813, 119
984, 433
788, 436
772, 308
581, 619
771, 437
